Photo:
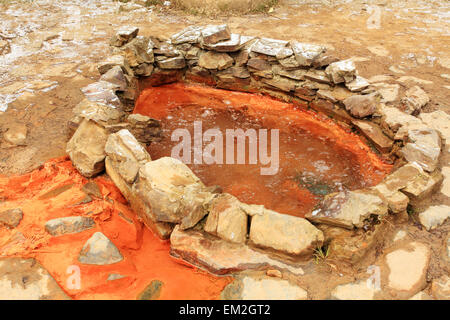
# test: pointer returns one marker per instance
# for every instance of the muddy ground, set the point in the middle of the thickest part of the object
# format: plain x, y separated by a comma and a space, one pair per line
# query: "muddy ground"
55, 46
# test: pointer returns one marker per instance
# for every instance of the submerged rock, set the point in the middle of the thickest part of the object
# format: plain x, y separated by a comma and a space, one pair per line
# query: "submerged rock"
66, 225
26, 279
152, 291
99, 250
264, 288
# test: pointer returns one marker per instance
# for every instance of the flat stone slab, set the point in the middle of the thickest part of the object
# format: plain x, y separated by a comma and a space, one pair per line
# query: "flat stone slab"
26, 279
264, 288
215, 60
222, 257
434, 216
406, 268
99, 250
67, 225
341, 71
11, 218
348, 209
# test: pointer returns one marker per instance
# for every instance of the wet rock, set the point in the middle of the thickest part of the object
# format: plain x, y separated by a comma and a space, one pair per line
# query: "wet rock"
360, 290
171, 190
66, 225
406, 268
99, 113
306, 53
152, 291
172, 63
288, 234
348, 209
86, 148
124, 35
220, 256
16, 135
269, 47
215, 60
102, 92
440, 288
341, 71
263, 288
26, 279
358, 84
212, 34
415, 99
190, 34
5, 48
11, 218
434, 216
92, 189
374, 133
115, 76
112, 61
99, 250
361, 106
115, 276
226, 219
423, 147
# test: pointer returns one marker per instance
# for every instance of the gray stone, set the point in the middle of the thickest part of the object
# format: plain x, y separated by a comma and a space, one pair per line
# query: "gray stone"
263, 288
282, 84
342, 71
102, 92
67, 225
361, 106
190, 34
231, 45
226, 219
306, 53
406, 269
212, 34
99, 250
11, 218
318, 76
86, 148
434, 216
26, 279
348, 209
124, 35
288, 234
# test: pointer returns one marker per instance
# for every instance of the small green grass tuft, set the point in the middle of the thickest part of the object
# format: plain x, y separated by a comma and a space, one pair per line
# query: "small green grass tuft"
321, 253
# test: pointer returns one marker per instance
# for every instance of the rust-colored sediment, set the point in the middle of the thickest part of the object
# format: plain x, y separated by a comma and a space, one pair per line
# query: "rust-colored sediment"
346, 151
54, 191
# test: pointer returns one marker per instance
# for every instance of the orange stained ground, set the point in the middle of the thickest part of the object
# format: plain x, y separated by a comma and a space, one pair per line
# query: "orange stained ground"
54, 191
316, 154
